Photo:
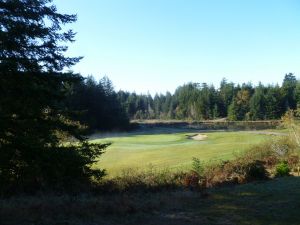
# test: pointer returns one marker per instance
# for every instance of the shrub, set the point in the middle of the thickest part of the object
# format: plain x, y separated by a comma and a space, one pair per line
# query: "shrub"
246, 170
151, 179
282, 169
270, 161
191, 180
238, 171
218, 174
293, 161
283, 146
256, 171
198, 166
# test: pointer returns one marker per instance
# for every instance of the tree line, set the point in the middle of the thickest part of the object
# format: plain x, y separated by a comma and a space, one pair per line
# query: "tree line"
96, 105
100, 107
205, 102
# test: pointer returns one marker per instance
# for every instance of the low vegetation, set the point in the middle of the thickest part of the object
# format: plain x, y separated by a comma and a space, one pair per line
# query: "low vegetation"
282, 169
274, 202
208, 194
261, 162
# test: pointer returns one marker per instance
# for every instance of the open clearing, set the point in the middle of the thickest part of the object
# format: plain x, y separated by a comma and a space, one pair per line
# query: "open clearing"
171, 148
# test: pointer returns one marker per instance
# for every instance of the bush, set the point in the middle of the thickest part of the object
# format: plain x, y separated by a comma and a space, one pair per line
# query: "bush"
282, 169
150, 179
191, 180
293, 161
246, 170
198, 166
238, 171
256, 171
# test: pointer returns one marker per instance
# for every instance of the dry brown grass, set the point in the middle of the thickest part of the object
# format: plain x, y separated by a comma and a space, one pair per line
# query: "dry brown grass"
273, 203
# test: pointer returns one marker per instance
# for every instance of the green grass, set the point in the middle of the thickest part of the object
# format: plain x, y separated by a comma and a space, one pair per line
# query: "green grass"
174, 151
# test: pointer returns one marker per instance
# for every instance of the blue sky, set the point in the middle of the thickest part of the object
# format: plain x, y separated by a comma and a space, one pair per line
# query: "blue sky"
157, 45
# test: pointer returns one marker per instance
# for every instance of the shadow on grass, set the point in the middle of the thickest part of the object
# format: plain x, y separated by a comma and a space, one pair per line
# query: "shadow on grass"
273, 202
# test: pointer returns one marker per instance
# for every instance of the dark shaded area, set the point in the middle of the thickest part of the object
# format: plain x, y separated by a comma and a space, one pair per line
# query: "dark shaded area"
273, 202
34, 121
97, 105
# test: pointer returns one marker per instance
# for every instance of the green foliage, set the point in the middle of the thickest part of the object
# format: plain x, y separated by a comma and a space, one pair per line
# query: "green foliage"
282, 169
225, 97
33, 87
297, 93
274, 103
240, 105
254, 163
289, 91
200, 101
198, 166
149, 179
256, 171
233, 111
97, 105
290, 121
258, 104
239, 170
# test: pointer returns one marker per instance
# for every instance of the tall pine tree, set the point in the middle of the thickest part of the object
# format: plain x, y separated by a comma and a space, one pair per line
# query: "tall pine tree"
32, 86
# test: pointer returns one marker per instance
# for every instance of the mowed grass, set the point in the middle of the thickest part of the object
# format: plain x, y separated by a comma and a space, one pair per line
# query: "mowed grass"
173, 150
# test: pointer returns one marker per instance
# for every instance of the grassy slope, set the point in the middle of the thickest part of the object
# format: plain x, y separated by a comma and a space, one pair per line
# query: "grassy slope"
274, 203
172, 150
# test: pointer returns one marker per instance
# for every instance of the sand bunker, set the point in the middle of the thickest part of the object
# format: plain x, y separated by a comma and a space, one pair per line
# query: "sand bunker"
198, 137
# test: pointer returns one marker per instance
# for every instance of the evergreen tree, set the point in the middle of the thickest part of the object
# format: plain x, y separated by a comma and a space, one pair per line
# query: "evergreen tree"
274, 103
186, 96
289, 91
33, 85
132, 105
297, 94
240, 105
203, 102
157, 106
233, 111
226, 94
258, 104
